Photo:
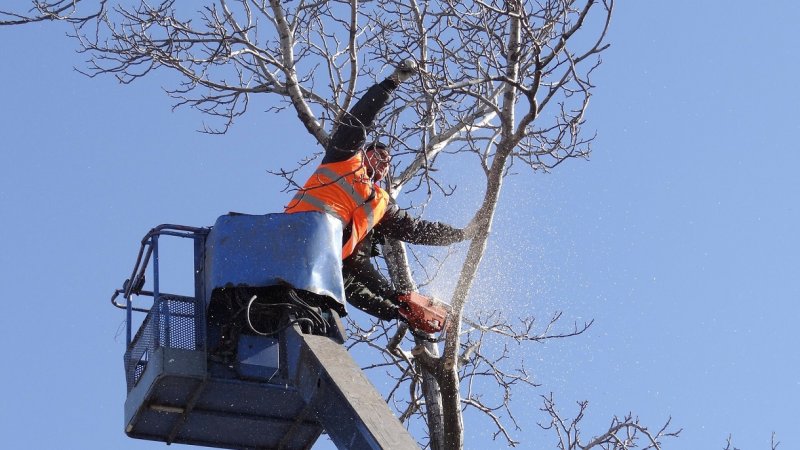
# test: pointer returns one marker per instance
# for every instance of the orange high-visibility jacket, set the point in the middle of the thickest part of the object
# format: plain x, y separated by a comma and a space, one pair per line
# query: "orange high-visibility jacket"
343, 190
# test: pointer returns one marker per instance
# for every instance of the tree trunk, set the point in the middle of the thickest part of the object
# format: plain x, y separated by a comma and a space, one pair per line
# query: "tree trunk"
453, 425
397, 263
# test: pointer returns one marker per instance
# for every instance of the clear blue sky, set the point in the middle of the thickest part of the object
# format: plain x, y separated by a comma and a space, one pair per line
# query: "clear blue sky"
679, 236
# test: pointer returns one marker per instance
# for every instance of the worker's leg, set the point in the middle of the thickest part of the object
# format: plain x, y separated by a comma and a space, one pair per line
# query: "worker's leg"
223, 328
365, 287
360, 292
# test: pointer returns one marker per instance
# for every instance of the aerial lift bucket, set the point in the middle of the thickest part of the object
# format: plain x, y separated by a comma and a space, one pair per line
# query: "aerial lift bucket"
281, 388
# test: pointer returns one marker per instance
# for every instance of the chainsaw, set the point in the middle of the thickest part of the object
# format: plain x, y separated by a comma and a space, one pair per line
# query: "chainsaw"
423, 313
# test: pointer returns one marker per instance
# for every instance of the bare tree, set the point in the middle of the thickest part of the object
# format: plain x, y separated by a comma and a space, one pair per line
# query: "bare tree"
501, 83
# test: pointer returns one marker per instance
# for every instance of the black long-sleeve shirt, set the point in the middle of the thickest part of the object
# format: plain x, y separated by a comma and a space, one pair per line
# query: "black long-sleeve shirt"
350, 135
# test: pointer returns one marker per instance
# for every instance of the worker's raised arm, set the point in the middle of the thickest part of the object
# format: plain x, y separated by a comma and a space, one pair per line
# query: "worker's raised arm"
351, 133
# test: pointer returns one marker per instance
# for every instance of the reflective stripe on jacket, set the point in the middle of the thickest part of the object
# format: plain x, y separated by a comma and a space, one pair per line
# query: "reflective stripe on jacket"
343, 190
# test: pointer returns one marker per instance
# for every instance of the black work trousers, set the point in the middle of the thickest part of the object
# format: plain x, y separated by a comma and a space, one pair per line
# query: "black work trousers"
367, 290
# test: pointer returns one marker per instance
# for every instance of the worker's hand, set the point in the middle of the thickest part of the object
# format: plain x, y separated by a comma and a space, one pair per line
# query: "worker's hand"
475, 225
404, 71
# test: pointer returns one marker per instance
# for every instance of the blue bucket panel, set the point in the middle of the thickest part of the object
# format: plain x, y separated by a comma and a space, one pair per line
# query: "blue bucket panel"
303, 250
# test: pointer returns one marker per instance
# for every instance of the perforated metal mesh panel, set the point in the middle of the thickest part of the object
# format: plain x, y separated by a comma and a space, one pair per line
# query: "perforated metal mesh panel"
178, 327
173, 322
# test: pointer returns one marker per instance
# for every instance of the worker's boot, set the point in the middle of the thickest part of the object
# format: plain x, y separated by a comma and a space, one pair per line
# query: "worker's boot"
225, 349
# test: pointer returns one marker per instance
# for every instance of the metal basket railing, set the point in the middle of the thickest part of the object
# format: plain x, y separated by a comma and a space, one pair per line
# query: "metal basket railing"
173, 321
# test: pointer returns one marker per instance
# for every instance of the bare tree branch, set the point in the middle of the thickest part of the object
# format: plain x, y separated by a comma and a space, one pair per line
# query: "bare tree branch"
623, 433
60, 10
